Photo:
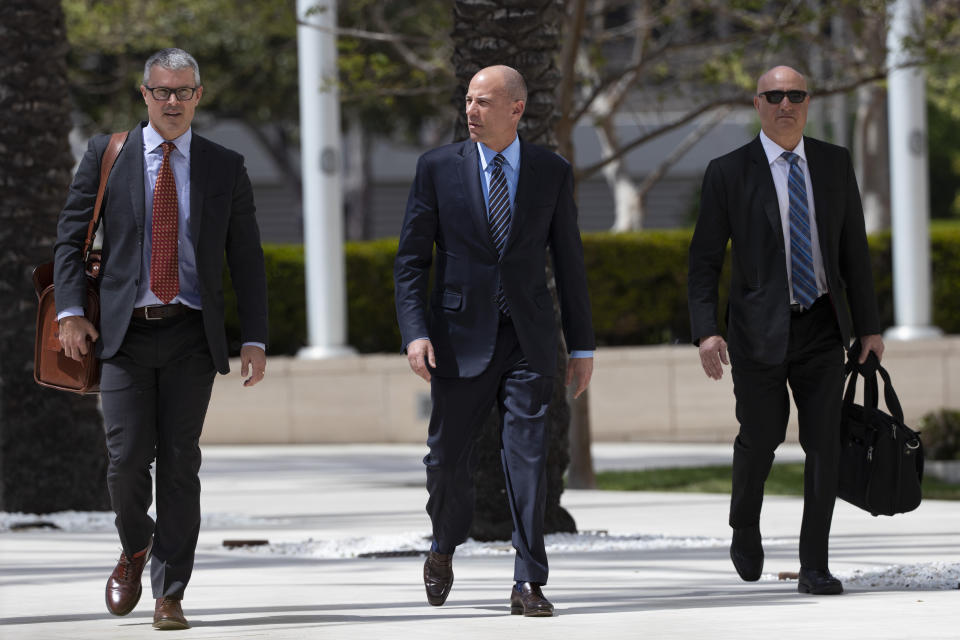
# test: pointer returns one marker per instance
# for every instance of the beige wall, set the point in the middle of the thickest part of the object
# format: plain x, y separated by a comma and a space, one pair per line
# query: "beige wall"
638, 393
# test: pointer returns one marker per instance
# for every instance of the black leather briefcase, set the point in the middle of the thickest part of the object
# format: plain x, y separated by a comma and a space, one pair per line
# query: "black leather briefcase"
881, 462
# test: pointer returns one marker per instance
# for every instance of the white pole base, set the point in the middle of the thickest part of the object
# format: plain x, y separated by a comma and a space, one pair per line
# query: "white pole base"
323, 353
908, 332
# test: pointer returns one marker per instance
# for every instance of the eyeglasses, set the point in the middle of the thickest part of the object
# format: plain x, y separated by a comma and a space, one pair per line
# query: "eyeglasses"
163, 93
776, 97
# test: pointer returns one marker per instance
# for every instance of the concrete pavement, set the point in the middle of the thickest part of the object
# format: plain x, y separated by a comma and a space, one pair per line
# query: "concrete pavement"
51, 581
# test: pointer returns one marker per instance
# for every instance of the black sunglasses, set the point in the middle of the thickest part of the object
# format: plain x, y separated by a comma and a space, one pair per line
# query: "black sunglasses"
776, 97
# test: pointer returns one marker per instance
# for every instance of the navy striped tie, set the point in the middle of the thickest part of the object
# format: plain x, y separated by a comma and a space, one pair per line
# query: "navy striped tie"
498, 214
801, 249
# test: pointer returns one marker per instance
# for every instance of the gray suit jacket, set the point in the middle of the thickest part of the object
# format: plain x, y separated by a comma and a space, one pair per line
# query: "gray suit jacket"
222, 224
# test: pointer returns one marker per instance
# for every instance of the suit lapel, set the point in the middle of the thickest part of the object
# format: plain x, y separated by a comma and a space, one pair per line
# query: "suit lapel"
820, 176
765, 188
469, 171
526, 179
130, 170
198, 179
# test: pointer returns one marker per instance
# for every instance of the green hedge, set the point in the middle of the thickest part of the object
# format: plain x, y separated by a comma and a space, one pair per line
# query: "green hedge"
637, 289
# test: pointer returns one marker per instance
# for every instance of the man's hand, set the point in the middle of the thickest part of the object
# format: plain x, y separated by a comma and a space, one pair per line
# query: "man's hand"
582, 370
419, 353
75, 333
713, 351
253, 359
872, 342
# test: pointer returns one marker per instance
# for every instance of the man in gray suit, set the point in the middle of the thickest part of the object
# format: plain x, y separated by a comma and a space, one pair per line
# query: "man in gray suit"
174, 206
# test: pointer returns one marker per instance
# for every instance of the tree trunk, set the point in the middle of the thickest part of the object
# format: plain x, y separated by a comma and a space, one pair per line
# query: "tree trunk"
871, 156
52, 454
524, 34
356, 179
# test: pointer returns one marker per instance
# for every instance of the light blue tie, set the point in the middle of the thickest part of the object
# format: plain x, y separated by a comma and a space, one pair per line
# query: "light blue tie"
801, 250
498, 215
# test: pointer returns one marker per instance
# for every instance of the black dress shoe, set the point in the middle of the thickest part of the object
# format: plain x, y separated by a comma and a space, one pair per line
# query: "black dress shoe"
819, 583
526, 598
438, 577
746, 551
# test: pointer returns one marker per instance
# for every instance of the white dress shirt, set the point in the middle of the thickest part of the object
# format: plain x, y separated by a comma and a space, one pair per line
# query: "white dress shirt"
779, 169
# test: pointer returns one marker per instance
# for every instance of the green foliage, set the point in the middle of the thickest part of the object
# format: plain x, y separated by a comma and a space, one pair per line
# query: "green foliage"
371, 311
247, 53
372, 324
637, 287
633, 279
784, 479
940, 431
396, 84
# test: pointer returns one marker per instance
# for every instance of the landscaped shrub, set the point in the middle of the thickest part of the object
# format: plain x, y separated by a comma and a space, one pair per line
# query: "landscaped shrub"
637, 287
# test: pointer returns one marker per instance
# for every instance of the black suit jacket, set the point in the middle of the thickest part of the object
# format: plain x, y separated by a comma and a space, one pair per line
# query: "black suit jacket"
739, 203
446, 209
222, 222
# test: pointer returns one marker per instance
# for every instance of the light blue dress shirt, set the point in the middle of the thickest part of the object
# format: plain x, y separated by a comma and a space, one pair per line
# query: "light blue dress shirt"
511, 171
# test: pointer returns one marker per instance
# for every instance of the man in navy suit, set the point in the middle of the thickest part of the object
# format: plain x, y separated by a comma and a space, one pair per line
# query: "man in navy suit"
174, 206
800, 288
491, 206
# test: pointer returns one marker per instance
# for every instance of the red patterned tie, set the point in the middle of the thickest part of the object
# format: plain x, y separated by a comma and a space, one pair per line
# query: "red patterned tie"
164, 261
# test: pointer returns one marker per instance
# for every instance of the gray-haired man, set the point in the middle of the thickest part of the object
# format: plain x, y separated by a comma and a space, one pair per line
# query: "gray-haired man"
176, 204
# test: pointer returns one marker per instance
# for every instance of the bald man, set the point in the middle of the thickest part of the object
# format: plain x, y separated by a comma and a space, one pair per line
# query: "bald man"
800, 288
491, 206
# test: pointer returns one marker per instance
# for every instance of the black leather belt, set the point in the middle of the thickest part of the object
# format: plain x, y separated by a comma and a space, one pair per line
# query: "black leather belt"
798, 310
160, 311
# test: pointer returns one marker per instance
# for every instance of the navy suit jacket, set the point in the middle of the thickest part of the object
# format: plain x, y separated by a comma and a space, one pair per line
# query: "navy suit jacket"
739, 203
446, 211
222, 222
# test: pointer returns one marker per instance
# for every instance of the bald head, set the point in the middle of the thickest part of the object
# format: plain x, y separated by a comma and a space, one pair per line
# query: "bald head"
782, 120
495, 101
779, 75
508, 78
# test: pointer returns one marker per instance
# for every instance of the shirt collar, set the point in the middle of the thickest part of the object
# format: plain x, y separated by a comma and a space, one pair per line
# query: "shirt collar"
511, 154
774, 151
152, 139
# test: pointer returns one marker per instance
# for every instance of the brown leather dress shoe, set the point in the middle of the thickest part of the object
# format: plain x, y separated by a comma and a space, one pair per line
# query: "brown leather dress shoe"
438, 577
526, 598
123, 586
168, 616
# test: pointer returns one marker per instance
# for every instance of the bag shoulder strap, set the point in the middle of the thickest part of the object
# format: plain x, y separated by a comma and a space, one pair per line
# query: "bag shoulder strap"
116, 143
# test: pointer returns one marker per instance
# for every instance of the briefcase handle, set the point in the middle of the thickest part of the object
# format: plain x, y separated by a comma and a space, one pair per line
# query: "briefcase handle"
869, 371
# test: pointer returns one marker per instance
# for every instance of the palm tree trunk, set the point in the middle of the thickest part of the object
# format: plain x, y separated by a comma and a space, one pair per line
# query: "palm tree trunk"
52, 454
524, 34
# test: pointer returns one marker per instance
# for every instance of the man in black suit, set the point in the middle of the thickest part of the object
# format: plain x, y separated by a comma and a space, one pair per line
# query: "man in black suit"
491, 206
800, 288
175, 203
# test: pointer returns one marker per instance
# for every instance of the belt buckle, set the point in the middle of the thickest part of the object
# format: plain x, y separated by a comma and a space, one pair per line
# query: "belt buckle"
146, 312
